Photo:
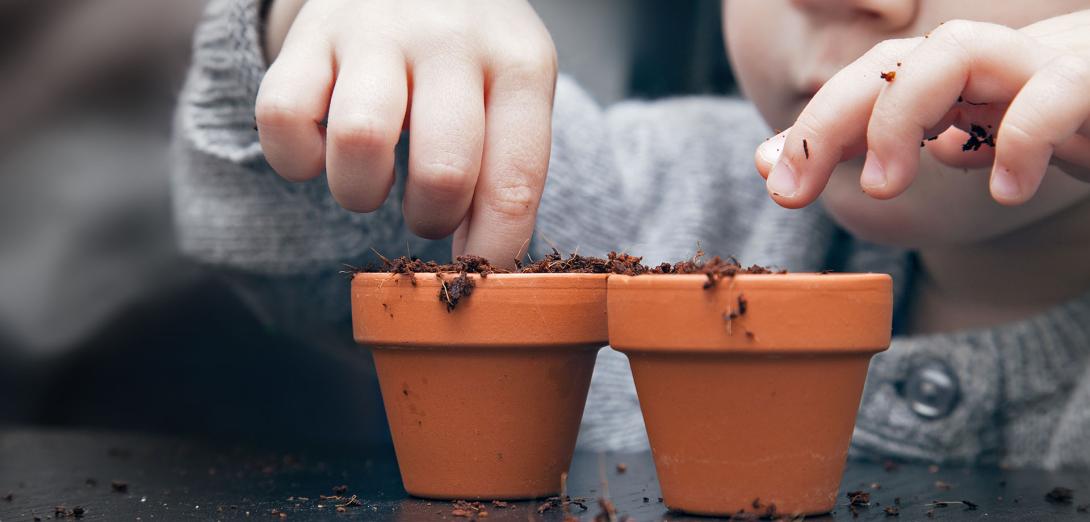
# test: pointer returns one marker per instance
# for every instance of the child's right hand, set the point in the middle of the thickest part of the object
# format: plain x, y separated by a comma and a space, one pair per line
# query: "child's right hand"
473, 82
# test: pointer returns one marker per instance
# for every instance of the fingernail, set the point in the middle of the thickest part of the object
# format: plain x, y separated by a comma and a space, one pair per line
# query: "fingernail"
1004, 185
782, 181
874, 174
770, 150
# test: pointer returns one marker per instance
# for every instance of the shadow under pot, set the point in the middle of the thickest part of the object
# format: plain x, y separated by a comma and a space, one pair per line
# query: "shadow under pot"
749, 388
484, 400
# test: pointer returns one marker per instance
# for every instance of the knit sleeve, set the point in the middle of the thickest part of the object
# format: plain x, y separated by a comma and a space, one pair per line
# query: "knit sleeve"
231, 209
280, 244
216, 113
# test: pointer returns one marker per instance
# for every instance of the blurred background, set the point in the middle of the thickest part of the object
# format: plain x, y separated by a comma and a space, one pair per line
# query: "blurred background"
102, 323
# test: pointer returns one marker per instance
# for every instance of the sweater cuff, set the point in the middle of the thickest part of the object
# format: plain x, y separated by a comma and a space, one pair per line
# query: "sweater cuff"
216, 110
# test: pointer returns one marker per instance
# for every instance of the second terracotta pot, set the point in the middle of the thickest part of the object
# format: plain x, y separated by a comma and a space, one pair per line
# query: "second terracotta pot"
749, 389
484, 401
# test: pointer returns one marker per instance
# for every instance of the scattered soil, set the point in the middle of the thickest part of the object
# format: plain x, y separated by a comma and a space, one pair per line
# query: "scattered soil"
969, 505
978, 136
608, 511
1060, 495
892, 511
63, 512
455, 283
351, 501
715, 268
555, 263
557, 503
858, 498
764, 510
467, 509
451, 290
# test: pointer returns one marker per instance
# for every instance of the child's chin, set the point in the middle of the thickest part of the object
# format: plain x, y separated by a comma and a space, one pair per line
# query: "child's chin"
920, 217
877, 229
898, 222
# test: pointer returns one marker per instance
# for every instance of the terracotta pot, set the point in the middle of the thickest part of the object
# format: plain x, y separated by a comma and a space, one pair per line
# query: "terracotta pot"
484, 401
758, 409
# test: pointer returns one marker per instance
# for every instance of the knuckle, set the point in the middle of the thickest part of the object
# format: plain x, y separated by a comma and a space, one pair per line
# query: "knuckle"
361, 132
806, 129
888, 50
514, 200
808, 124
956, 32
444, 179
1020, 131
530, 64
890, 124
277, 111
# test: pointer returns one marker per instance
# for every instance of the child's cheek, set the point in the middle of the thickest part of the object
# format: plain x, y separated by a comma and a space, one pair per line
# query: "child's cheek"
759, 49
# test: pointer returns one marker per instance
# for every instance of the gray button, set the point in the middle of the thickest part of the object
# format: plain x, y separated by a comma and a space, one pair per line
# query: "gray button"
932, 390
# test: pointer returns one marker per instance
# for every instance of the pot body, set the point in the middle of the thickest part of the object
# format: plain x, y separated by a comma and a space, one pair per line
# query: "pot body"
484, 401
750, 412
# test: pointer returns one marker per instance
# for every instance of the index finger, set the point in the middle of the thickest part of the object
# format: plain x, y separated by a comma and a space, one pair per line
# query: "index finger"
513, 168
982, 62
832, 128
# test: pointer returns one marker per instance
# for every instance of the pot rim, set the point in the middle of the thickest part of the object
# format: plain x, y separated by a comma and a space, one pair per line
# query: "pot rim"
795, 314
504, 311
770, 280
512, 281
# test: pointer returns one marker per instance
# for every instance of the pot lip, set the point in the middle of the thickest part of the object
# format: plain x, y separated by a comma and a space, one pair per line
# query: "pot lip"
687, 291
731, 354
809, 279
491, 281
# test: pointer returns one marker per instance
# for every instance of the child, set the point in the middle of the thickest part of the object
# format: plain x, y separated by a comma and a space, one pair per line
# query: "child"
988, 247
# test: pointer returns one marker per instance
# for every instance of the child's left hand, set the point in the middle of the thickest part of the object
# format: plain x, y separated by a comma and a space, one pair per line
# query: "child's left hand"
1024, 93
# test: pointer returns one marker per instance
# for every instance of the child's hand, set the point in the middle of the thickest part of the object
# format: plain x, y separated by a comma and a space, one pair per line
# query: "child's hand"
1021, 98
471, 79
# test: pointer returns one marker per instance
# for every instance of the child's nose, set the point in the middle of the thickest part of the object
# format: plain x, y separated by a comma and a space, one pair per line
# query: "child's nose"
890, 15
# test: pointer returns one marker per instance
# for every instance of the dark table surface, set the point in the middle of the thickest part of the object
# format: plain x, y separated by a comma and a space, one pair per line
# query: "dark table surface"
169, 479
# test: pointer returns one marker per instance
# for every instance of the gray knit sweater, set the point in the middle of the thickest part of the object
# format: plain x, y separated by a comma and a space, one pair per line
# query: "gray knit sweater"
652, 178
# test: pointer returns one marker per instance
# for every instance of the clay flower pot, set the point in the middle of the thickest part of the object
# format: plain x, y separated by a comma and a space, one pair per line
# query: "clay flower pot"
484, 401
749, 389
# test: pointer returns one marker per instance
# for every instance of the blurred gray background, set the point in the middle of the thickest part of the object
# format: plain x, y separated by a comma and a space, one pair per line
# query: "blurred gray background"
102, 323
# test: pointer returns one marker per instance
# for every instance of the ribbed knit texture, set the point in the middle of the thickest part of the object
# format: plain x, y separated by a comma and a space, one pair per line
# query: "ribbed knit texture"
657, 179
